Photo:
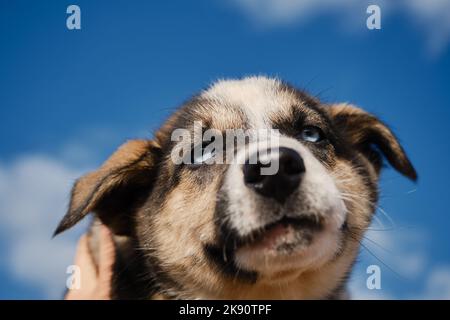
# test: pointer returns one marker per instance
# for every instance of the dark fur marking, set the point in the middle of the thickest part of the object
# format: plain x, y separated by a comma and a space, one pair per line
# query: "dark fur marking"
76, 215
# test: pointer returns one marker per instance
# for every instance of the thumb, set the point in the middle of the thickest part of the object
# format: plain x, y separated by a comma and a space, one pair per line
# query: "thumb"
107, 257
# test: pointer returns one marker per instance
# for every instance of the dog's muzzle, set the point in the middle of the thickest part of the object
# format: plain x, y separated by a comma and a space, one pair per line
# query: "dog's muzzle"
281, 184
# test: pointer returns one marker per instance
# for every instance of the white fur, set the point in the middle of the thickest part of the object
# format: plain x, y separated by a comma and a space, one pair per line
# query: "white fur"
317, 195
257, 96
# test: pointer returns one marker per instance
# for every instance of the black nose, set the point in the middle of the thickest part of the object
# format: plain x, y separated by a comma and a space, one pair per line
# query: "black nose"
281, 184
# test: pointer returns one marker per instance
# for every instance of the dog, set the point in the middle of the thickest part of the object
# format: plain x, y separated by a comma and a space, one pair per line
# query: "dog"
226, 231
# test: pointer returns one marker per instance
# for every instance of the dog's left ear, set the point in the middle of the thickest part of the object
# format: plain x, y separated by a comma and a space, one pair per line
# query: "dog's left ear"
365, 131
114, 190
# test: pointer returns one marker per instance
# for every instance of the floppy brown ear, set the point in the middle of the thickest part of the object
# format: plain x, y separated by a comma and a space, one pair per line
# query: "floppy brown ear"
365, 132
115, 189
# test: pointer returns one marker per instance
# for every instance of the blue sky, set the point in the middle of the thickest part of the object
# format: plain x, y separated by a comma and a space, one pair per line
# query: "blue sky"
69, 98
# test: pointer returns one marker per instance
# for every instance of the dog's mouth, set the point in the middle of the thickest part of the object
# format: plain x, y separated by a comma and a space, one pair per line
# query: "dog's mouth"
283, 235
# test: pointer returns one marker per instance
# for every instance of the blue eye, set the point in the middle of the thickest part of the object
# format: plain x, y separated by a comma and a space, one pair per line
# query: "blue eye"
311, 134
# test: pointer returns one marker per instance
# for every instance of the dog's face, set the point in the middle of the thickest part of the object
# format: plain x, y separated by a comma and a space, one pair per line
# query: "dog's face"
227, 230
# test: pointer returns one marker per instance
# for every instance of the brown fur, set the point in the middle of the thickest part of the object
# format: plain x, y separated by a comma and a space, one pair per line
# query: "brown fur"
170, 214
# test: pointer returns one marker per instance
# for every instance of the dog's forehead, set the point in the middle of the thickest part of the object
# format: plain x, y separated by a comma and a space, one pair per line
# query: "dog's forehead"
259, 99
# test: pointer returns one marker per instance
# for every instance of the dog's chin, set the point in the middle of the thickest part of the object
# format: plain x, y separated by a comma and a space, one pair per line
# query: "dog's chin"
285, 249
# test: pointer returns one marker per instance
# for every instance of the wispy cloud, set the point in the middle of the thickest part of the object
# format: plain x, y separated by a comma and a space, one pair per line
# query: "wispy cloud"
401, 254
34, 191
432, 17
284, 12
437, 284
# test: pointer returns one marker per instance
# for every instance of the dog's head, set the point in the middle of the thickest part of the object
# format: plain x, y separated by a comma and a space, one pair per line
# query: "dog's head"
229, 230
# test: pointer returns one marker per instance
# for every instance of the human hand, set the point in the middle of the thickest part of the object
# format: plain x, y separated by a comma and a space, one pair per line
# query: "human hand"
95, 282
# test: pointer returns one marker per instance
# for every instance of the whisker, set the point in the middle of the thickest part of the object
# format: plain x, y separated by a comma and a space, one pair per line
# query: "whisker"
378, 245
376, 257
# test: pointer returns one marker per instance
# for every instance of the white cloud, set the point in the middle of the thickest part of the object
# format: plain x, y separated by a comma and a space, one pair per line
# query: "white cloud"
403, 251
431, 16
434, 17
280, 12
437, 284
34, 193
359, 291
400, 253
33, 197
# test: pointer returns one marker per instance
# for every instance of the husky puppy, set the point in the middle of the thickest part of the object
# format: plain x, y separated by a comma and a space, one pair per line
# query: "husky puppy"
193, 230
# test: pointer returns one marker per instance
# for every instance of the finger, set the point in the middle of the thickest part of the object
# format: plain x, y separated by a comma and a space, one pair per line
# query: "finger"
88, 272
106, 257
84, 260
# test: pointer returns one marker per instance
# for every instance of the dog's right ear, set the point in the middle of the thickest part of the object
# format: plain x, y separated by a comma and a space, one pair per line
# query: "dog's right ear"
114, 190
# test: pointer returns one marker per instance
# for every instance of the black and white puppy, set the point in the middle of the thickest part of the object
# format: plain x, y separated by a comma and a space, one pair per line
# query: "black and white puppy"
225, 230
